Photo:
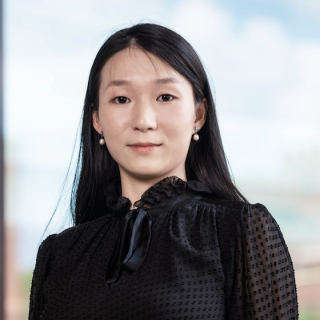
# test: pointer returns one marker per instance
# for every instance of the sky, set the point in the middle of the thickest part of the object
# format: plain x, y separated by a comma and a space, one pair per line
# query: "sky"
262, 58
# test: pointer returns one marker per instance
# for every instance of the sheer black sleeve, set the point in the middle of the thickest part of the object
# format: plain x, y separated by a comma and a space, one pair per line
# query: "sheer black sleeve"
39, 276
259, 274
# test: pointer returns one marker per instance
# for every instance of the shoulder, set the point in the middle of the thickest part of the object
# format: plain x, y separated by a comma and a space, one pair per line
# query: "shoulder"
231, 212
235, 220
235, 206
57, 241
44, 254
45, 246
217, 203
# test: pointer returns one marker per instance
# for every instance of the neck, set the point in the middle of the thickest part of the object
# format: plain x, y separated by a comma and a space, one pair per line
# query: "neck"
134, 186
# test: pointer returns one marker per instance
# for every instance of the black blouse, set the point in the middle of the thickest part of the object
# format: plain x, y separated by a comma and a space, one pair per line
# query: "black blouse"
181, 254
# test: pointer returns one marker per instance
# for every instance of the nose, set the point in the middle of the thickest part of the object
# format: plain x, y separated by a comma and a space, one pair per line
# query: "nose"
143, 116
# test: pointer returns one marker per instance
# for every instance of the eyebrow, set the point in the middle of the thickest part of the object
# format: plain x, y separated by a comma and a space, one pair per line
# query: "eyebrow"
167, 80
119, 83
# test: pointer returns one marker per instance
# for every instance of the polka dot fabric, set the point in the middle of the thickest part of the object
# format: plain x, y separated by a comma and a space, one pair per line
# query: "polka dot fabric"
208, 259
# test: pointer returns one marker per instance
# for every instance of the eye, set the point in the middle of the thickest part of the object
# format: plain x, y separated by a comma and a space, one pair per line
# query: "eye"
121, 100
165, 97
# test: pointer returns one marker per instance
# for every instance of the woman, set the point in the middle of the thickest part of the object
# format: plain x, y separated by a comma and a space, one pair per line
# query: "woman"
160, 231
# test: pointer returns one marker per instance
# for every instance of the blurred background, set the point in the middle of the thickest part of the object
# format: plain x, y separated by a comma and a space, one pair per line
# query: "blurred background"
263, 59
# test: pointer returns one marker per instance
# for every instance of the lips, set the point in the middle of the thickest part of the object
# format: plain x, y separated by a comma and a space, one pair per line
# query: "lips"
144, 144
144, 147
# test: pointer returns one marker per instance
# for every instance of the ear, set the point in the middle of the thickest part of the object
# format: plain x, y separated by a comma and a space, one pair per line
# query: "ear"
96, 121
201, 113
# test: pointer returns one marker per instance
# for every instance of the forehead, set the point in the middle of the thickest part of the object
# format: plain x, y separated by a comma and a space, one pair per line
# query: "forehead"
135, 64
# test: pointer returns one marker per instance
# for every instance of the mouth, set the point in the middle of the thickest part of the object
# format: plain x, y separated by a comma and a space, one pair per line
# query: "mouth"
144, 146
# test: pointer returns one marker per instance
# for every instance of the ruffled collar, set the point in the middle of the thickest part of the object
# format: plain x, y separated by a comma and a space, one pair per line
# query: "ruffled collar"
164, 189
134, 237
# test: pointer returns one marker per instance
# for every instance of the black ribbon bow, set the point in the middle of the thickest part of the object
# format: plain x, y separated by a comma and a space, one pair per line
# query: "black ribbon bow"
132, 244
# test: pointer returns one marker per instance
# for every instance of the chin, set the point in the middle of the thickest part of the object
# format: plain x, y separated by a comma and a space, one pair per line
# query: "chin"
146, 172
144, 165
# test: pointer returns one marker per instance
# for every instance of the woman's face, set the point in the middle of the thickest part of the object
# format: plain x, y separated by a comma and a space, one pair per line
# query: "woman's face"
144, 101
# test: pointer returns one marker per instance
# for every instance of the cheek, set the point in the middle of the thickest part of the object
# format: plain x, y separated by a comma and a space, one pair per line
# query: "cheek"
177, 122
111, 118
113, 126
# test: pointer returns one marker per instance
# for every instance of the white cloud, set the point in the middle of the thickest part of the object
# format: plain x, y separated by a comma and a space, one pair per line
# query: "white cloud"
201, 20
309, 7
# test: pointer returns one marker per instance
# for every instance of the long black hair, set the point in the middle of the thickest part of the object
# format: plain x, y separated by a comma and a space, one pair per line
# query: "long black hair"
205, 161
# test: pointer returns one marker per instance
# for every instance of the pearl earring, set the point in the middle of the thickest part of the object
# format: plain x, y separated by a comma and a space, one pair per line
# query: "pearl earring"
196, 136
101, 141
